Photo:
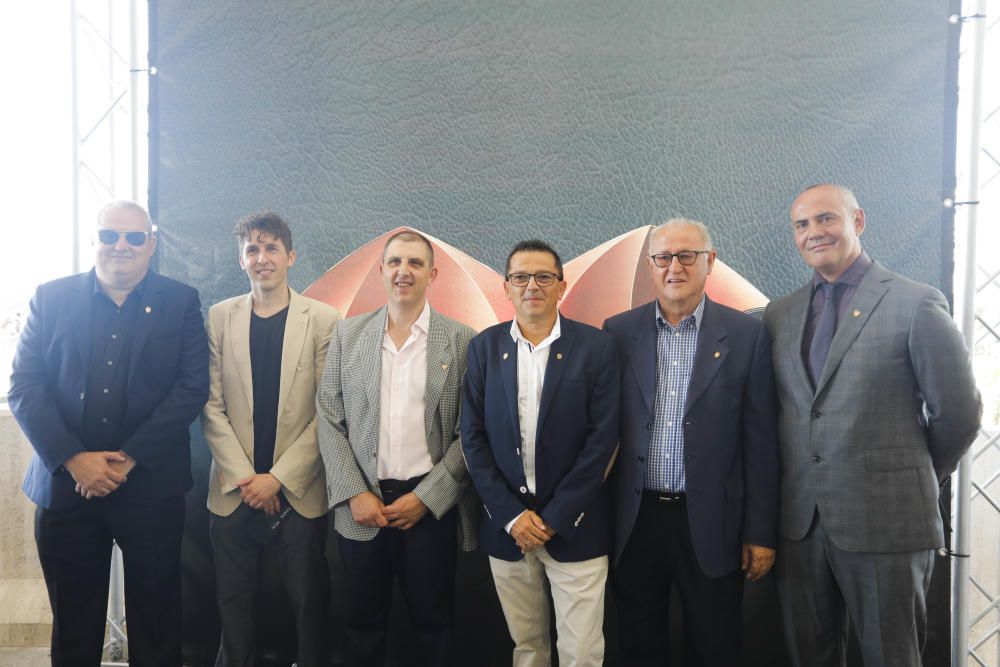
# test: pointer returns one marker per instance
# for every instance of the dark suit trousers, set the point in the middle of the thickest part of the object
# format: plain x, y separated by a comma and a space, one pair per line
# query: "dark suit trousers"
820, 586
74, 547
659, 554
237, 578
423, 559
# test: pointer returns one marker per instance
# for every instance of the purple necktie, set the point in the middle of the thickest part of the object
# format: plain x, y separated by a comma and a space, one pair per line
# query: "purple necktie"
826, 326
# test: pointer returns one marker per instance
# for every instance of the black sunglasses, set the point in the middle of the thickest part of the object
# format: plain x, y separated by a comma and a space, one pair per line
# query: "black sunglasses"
110, 237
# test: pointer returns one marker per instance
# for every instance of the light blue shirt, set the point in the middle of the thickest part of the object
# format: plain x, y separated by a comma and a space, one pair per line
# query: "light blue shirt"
675, 349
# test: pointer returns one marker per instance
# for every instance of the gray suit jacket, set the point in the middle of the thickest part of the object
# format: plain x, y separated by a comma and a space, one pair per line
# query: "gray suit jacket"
894, 410
348, 404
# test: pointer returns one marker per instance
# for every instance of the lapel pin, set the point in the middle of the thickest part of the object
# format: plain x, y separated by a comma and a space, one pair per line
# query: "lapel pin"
444, 367
148, 310
856, 313
505, 355
718, 354
558, 355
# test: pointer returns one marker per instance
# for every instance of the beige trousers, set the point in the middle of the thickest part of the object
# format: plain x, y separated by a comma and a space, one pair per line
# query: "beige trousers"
578, 595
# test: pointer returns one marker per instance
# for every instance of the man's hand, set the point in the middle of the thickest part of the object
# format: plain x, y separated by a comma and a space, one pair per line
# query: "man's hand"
405, 511
126, 466
530, 532
93, 473
260, 492
366, 508
756, 561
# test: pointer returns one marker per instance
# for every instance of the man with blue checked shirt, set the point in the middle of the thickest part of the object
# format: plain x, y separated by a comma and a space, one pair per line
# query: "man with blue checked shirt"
696, 481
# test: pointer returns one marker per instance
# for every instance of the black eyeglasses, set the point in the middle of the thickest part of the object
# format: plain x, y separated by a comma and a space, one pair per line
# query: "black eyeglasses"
542, 278
110, 237
685, 257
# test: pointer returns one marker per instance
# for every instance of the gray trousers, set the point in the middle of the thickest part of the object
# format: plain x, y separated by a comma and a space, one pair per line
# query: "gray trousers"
883, 596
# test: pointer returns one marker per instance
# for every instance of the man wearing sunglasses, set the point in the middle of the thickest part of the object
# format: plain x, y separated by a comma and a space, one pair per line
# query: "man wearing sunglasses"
696, 481
539, 428
110, 370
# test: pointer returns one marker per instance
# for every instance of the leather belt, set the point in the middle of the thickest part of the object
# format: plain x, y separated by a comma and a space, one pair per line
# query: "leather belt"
664, 497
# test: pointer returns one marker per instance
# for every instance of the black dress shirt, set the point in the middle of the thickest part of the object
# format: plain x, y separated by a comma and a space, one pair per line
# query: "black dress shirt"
267, 335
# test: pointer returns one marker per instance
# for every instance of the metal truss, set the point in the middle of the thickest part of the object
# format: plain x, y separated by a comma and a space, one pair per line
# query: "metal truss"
110, 149
976, 585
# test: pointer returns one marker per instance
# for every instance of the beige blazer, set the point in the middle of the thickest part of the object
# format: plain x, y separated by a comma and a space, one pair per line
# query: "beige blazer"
227, 419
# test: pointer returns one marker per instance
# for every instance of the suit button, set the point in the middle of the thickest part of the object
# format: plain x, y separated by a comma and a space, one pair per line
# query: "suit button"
816, 414
642, 459
649, 426
523, 489
817, 459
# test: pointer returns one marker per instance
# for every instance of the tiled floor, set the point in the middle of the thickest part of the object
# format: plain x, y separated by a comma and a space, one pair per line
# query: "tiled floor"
24, 657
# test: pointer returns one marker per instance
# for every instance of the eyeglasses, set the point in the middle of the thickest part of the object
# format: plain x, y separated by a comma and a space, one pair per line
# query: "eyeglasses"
110, 237
685, 257
542, 278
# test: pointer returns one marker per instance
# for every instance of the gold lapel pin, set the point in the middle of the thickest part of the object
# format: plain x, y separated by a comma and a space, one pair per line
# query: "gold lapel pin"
718, 354
558, 355
444, 367
148, 309
505, 355
856, 313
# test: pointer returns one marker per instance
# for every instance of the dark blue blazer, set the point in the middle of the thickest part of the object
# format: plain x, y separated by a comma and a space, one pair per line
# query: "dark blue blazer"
167, 386
576, 436
730, 432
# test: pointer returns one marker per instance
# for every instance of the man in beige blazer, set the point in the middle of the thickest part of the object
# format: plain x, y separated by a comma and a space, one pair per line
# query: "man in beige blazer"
267, 483
389, 434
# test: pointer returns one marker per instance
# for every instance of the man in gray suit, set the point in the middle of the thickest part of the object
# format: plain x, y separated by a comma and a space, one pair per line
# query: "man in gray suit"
878, 404
389, 436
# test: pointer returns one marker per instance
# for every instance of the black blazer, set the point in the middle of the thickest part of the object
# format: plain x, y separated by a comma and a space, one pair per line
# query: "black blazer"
167, 386
730, 432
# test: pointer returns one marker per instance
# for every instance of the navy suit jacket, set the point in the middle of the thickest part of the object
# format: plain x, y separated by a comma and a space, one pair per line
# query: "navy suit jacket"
167, 386
575, 440
730, 432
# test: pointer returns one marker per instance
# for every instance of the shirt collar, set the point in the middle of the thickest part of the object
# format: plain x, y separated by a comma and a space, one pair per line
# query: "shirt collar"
852, 276
139, 289
422, 323
515, 333
697, 315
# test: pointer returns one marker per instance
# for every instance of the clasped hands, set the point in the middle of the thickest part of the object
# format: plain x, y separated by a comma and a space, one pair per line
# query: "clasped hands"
530, 532
99, 473
260, 491
403, 513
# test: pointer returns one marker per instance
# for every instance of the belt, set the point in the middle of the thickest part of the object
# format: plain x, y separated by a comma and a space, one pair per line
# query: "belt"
398, 486
664, 497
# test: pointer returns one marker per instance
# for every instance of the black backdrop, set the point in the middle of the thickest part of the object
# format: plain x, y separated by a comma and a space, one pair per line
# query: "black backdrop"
483, 122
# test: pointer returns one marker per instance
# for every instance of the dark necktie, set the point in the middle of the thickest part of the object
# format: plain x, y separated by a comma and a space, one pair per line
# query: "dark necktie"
819, 349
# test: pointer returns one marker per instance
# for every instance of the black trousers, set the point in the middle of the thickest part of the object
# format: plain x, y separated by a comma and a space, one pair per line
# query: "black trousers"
423, 560
237, 579
74, 547
659, 554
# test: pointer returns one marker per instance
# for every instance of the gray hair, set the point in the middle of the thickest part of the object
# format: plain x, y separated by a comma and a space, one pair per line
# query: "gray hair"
850, 199
126, 205
706, 236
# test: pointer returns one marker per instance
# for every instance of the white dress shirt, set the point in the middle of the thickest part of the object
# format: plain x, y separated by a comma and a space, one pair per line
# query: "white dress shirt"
531, 363
402, 442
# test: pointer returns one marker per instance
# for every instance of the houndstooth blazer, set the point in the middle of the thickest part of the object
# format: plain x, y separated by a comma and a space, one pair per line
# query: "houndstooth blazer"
347, 404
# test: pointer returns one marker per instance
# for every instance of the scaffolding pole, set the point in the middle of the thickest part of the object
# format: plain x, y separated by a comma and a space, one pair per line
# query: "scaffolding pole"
965, 315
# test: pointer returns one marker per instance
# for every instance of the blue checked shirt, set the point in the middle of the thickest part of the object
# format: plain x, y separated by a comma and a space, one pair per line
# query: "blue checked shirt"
675, 348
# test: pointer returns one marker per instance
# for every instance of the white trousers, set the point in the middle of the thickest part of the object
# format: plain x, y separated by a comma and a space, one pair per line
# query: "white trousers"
578, 595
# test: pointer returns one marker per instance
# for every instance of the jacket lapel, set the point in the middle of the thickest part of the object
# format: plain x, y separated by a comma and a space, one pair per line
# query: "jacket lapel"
370, 357
438, 359
710, 353
81, 316
238, 334
150, 311
508, 371
871, 290
559, 354
296, 326
797, 313
642, 356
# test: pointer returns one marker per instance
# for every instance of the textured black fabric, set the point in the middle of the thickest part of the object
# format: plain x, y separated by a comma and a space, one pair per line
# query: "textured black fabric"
266, 337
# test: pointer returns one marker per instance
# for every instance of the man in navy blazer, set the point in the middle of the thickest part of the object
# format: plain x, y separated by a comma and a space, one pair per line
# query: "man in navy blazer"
539, 428
696, 481
110, 370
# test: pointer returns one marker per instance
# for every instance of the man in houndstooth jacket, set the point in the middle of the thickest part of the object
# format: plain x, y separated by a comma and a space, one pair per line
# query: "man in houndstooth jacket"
396, 480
